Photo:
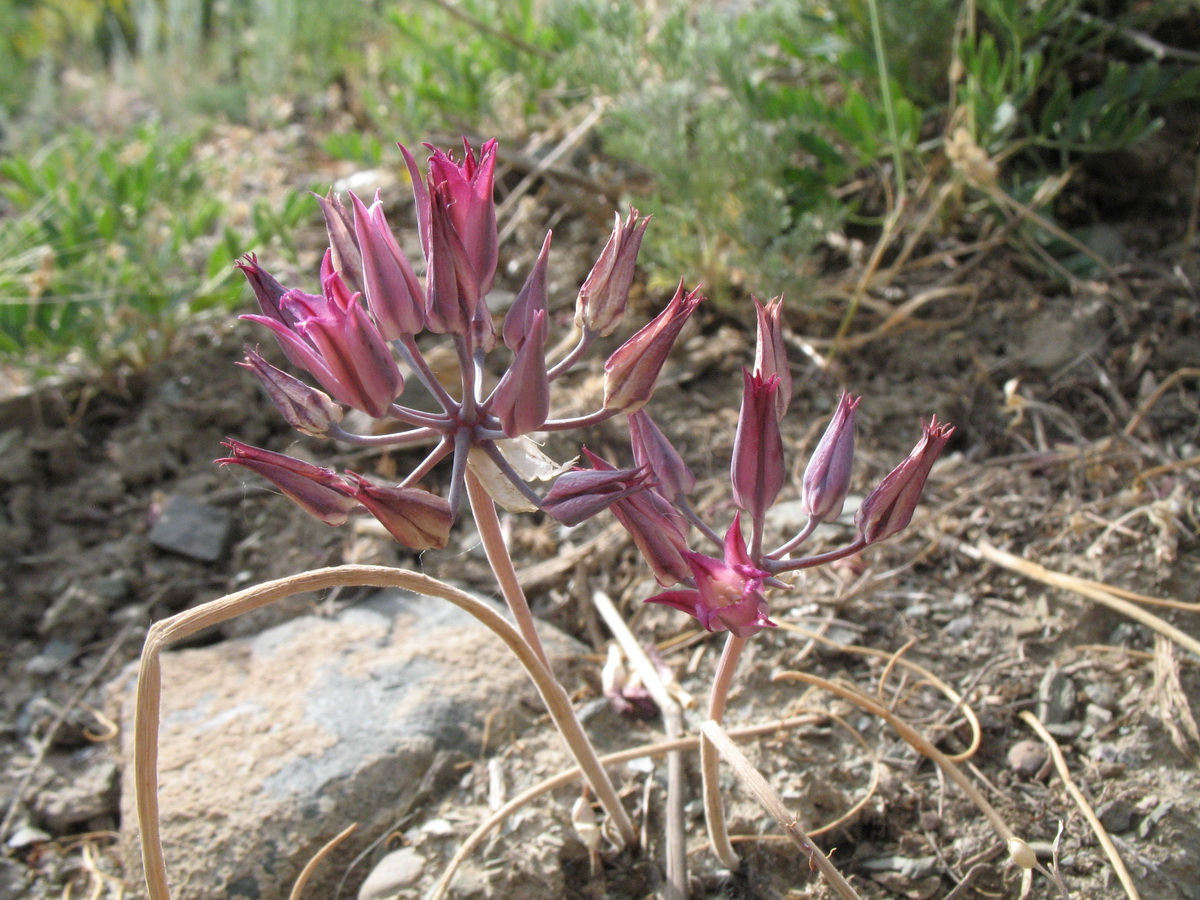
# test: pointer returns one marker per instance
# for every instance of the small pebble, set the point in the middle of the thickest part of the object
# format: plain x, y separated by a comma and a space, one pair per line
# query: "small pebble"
1056, 698
960, 626
396, 871
1027, 757
1116, 816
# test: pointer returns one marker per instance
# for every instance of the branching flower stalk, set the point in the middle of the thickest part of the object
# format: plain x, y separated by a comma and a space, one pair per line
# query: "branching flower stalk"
354, 337
728, 593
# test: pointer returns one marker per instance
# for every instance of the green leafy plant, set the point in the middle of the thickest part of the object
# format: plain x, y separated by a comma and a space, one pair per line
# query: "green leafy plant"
103, 240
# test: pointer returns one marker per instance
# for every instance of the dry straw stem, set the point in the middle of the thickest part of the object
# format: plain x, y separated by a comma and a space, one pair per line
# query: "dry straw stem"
895, 659
1064, 773
1149, 403
771, 802
676, 884
149, 688
562, 779
311, 865
1093, 590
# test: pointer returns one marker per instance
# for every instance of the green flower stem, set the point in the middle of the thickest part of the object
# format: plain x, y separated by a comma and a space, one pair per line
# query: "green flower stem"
714, 807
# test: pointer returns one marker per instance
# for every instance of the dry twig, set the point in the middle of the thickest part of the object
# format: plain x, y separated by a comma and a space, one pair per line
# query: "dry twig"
1064, 773
1102, 594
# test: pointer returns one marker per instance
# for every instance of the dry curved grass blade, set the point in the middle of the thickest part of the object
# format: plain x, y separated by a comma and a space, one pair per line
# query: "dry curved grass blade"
915, 740
1148, 404
1102, 594
896, 659
1060, 764
771, 802
845, 817
672, 718
311, 865
562, 779
147, 708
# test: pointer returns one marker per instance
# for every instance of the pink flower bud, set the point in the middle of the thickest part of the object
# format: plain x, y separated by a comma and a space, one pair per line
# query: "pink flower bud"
631, 372
729, 591
269, 294
343, 244
658, 455
352, 349
770, 356
531, 299
415, 518
467, 191
306, 409
757, 470
582, 493
451, 282
827, 477
521, 400
317, 491
394, 296
889, 508
657, 529
601, 302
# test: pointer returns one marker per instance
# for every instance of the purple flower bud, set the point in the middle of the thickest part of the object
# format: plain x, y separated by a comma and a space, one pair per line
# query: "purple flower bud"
393, 293
306, 409
601, 302
770, 356
415, 518
467, 191
317, 491
269, 294
757, 470
521, 400
729, 591
652, 450
452, 286
657, 529
343, 243
827, 478
530, 300
582, 493
889, 508
632, 370
353, 350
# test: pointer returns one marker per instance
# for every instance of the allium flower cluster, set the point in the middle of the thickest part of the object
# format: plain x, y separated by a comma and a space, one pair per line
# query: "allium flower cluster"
358, 340
728, 592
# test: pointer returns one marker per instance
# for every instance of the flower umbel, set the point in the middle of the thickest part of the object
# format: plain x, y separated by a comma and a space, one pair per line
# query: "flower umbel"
372, 307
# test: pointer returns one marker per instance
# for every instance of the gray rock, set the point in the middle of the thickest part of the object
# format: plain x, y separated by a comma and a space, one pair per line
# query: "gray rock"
53, 657
81, 790
271, 745
192, 529
1056, 697
1116, 816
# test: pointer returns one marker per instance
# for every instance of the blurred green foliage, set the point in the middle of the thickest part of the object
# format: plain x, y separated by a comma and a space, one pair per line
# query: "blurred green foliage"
107, 245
